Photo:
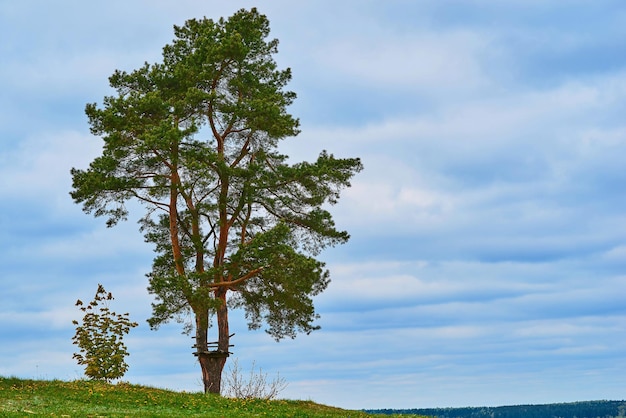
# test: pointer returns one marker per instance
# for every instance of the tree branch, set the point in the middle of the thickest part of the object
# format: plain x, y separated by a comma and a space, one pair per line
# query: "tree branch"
242, 279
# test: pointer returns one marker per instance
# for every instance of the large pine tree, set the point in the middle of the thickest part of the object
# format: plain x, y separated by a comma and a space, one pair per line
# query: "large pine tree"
195, 138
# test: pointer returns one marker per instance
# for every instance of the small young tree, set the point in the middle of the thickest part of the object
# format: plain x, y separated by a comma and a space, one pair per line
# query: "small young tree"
100, 338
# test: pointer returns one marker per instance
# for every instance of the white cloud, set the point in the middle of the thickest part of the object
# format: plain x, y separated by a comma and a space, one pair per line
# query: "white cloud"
506, 166
49, 75
421, 61
39, 168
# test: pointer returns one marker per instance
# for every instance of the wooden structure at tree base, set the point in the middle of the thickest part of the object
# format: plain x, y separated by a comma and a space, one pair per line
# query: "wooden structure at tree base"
212, 349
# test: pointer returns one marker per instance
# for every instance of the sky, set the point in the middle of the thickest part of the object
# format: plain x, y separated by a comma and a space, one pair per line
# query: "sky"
487, 260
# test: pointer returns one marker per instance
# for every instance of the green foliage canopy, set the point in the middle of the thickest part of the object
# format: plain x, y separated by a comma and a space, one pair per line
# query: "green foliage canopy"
195, 139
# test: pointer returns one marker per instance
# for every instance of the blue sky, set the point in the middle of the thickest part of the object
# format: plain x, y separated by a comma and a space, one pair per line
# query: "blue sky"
488, 252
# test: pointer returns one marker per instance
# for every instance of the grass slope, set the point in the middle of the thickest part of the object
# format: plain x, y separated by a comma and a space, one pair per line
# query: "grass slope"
81, 398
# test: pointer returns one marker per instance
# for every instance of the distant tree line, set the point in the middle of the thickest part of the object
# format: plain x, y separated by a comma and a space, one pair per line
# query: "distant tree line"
587, 409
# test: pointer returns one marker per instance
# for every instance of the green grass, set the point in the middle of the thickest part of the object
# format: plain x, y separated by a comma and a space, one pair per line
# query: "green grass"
82, 398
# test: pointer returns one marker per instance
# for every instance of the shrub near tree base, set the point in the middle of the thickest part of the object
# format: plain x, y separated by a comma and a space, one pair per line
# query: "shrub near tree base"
100, 338
256, 386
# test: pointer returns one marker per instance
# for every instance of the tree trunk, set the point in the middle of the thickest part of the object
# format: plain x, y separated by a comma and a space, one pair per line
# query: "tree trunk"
212, 366
212, 361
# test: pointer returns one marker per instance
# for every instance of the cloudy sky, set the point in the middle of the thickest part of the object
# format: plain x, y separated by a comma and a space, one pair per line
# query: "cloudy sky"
488, 252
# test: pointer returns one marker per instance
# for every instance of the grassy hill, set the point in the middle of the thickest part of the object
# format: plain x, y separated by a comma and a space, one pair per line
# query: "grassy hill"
21, 398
